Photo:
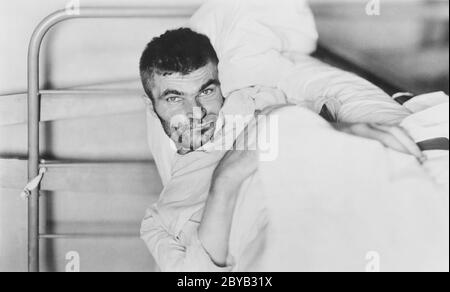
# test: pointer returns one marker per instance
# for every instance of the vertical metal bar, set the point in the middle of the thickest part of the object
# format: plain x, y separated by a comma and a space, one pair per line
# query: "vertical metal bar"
34, 102
33, 133
33, 200
33, 151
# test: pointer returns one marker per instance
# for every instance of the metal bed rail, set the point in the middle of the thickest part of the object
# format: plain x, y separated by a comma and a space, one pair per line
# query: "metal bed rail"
34, 106
86, 236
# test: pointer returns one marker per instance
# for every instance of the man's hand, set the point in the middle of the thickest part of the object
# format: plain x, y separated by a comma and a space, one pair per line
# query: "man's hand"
390, 136
240, 162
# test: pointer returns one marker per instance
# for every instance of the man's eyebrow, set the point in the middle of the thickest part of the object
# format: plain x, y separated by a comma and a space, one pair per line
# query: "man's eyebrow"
209, 83
176, 92
170, 92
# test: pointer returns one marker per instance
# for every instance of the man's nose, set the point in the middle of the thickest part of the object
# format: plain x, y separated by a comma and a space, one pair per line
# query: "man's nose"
195, 110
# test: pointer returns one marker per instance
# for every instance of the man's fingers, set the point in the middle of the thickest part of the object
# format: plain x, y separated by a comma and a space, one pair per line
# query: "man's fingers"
386, 138
405, 139
392, 137
176, 137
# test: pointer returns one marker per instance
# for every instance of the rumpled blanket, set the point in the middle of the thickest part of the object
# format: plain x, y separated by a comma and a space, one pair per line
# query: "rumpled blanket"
328, 201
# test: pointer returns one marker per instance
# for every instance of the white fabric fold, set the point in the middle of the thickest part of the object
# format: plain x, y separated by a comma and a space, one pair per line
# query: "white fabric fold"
252, 36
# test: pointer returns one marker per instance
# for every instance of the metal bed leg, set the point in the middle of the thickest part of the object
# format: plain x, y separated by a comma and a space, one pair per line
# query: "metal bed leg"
33, 154
34, 95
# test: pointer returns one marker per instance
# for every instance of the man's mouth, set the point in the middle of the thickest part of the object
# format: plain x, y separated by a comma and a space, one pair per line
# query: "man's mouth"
195, 126
195, 133
209, 130
205, 127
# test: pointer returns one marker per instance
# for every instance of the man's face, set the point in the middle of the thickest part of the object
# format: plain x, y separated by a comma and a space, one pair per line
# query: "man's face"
188, 106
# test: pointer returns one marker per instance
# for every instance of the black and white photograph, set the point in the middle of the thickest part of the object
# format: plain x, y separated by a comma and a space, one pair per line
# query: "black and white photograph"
224, 141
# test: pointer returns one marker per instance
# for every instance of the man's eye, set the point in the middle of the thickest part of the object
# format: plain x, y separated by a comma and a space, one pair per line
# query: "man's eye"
173, 99
207, 92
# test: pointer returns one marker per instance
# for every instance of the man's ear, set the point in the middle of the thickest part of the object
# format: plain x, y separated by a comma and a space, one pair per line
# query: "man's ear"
148, 104
147, 100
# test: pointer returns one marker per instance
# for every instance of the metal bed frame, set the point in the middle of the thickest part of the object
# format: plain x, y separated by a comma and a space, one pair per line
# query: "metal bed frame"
35, 93
34, 107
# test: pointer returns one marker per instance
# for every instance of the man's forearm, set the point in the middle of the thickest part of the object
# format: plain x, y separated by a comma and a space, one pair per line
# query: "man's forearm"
215, 228
348, 97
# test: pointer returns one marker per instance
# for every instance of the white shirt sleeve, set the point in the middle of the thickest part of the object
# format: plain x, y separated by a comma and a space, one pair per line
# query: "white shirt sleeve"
349, 98
181, 253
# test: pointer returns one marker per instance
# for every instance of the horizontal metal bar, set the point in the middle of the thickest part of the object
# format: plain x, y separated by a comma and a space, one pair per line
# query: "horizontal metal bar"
83, 103
87, 236
135, 12
108, 92
50, 165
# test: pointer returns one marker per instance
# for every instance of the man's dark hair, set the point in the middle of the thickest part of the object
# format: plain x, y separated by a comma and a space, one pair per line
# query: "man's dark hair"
176, 51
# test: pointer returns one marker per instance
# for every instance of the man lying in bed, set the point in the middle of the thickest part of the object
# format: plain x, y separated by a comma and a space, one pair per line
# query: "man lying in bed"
212, 214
